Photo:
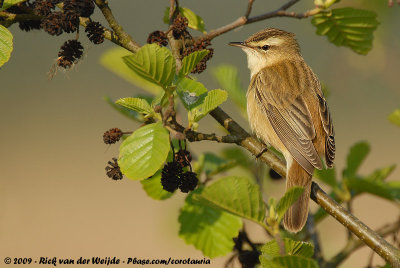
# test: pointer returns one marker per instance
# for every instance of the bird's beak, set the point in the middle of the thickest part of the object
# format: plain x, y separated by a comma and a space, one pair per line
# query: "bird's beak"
238, 44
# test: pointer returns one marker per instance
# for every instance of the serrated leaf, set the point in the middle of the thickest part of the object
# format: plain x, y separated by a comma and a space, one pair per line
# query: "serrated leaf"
144, 152
6, 44
359, 185
228, 78
112, 60
395, 117
10, 3
195, 22
153, 63
327, 175
289, 262
236, 195
358, 152
296, 248
213, 99
125, 111
190, 61
136, 104
153, 187
287, 200
208, 229
191, 93
348, 27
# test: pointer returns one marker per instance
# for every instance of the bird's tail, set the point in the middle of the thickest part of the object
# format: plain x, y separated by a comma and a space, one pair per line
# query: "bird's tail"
296, 216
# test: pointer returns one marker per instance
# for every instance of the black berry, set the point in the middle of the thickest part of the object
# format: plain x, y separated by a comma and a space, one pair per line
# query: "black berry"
171, 176
188, 182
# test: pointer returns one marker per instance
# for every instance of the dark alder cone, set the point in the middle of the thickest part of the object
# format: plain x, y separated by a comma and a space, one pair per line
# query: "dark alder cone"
183, 157
274, 175
113, 170
43, 8
112, 136
70, 22
84, 8
249, 258
188, 182
28, 25
158, 37
179, 26
200, 45
52, 24
94, 32
170, 176
71, 51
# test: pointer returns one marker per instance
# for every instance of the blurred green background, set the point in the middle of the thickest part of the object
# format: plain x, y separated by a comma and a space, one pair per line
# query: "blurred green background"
55, 199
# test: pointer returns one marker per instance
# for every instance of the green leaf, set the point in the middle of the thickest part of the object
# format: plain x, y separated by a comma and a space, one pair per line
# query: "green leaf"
228, 78
237, 154
348, 27
327, 175
190, 61
394, 188
236, 195
213, 99
136, 104
287, 200
112, 60
153, 63
297, 254
10, 3
359, 185
195, 22
6, 44
358, 153
212, 164
289, 262
381, 174
299, 248
208, 229
153, 187
395, 117
144, 152
125, 111
292, 247
191, 93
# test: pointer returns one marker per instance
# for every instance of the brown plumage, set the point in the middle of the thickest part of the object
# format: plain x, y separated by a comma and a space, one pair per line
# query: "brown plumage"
287, 109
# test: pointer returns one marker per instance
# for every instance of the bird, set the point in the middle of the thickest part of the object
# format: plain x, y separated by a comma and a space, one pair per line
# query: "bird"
287, 110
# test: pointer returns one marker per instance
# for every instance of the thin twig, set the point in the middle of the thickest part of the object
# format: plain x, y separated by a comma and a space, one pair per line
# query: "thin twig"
125, 39
358, 228
280, 12
249, 7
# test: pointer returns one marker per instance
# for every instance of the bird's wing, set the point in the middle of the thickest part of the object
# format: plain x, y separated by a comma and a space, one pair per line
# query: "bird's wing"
326, 119
279, 91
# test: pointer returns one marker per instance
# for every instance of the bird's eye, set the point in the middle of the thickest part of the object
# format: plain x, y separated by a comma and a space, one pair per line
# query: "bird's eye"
265, 47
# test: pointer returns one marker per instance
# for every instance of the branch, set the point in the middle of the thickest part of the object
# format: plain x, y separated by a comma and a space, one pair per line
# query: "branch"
125, 40
354, 244
358, 228
280, 12
108, 34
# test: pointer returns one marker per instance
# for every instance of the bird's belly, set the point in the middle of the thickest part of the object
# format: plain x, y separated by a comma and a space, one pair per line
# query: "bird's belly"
260, 124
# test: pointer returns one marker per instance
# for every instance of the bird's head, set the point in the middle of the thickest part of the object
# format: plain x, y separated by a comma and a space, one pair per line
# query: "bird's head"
268, 47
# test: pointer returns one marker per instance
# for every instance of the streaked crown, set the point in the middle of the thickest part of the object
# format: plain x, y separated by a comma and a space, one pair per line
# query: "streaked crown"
275, 39
269, 47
